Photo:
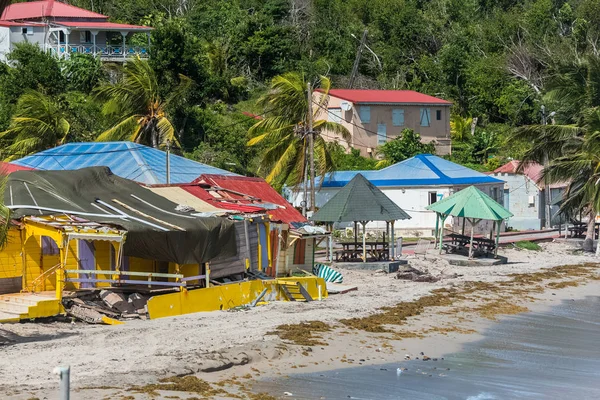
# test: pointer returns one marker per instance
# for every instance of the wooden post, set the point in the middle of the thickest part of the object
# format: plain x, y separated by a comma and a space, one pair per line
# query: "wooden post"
437, 227
492, 230
471, 244
441, 234
499, 224
331, 242
387, 231
463, 225
364, 241
393, 237
207, 275
124, 34
311, 145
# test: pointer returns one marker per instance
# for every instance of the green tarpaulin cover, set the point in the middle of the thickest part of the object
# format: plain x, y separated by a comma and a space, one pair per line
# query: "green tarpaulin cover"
151, 221
359, 200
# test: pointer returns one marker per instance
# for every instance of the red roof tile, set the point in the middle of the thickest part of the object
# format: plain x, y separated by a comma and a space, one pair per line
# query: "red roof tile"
386, 96
47, 8
241, 189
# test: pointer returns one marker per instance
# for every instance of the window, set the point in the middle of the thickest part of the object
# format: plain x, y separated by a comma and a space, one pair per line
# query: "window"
438, 115
61, 37
85, 37
398, 117
425, 117
381, 134
432, 197
27, 30
335, 115
495, 194
364, 113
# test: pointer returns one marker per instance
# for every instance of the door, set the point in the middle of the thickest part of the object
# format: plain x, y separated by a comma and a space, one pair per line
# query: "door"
87, 261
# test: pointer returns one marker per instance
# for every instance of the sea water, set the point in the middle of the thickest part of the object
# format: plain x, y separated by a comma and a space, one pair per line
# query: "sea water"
554, 354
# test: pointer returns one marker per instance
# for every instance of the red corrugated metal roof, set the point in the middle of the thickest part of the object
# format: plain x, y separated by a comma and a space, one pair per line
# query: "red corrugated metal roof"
202, 194
532, 170
256, 188
47, 8
101, 25
386, 96
24, 23
7, 168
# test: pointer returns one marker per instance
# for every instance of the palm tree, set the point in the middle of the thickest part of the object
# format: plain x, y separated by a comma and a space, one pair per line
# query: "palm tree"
136, 102
460, 127
283, 130
4, 212
38, 124
568, 150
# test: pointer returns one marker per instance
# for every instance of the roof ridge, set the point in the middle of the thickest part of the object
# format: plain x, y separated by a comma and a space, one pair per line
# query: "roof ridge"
436, 170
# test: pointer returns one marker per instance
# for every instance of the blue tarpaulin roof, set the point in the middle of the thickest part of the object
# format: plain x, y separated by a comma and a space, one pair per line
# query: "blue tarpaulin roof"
420, 170
126, 159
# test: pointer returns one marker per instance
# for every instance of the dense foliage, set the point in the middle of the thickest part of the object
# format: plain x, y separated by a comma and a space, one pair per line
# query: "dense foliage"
497, 61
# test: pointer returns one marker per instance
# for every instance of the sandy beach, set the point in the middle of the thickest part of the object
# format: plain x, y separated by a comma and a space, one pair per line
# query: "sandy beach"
228, 350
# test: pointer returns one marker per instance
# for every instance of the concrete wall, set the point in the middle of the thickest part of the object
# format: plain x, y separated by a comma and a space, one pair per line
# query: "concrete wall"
364, 135
4, 42
525, 201
38, 35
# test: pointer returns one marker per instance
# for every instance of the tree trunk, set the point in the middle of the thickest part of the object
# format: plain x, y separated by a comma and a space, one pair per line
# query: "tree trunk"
588, 243
3, 4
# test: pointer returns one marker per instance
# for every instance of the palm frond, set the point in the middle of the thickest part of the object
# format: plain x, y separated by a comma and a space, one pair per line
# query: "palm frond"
124, 130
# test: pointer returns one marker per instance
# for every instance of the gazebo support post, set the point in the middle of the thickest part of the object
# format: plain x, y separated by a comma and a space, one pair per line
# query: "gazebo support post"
355, 234
473, 223
492, 230
364, 241
331, 242
441, 234
393, 239
437, 227
387, 232
498, 225
463, 225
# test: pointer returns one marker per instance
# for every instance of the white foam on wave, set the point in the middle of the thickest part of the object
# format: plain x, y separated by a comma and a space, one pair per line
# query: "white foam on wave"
482, 396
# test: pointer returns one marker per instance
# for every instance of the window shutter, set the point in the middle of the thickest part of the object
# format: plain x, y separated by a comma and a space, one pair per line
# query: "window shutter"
381, 134
365, 114
398, 117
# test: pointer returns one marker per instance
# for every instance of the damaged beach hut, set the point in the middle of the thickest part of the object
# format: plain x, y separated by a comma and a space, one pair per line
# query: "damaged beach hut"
88, 229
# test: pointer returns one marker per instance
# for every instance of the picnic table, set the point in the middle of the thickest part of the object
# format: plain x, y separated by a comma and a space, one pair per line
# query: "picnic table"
461, 242
353, 251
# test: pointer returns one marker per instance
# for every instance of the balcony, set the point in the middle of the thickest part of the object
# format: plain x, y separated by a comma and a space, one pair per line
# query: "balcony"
105, 52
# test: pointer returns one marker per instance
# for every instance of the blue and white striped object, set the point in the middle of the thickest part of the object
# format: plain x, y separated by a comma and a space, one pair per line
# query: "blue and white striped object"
327, 273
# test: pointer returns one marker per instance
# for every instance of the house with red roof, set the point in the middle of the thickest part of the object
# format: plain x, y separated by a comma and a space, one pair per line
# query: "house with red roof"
64, 29
375, 117
526, 195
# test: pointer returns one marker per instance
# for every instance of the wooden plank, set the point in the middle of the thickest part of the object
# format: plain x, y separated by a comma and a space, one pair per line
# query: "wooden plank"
287, 293
128, 282
304, 292
130, 273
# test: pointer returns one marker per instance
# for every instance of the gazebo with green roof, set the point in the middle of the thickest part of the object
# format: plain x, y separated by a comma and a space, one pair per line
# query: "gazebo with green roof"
473, 205
360, 201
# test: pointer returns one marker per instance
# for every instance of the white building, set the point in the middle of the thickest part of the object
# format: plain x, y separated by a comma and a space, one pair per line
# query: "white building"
414, 184
525, 196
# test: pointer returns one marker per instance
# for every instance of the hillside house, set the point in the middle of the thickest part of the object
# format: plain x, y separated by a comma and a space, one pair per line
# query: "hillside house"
374, 117
525, 195
64, 30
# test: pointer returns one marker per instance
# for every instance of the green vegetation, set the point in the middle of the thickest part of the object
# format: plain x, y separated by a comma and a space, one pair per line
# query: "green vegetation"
527, 245
212, 61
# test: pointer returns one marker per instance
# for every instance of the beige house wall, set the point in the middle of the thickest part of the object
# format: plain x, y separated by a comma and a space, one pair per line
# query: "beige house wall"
365, 137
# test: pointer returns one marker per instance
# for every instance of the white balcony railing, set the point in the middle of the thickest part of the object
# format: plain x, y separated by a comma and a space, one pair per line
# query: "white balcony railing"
103, 51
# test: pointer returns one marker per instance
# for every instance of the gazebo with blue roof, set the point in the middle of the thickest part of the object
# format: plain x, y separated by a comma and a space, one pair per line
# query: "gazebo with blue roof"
128, 160
413, 185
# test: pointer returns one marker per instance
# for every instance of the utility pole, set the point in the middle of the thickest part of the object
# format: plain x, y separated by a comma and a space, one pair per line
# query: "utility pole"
168, 161
311, 145
547, 212
357, 59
